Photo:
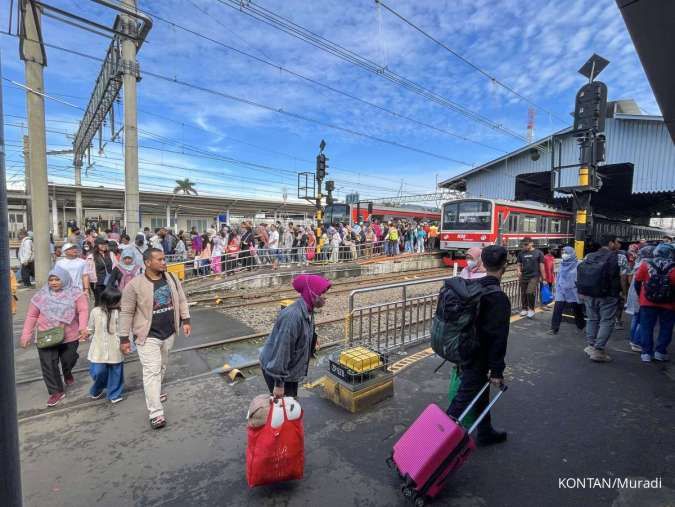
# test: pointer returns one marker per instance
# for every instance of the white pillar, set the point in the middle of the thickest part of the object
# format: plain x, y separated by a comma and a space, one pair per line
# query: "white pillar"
55, 219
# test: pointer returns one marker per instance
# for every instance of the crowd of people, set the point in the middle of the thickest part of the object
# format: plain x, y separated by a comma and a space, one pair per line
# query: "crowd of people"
639, 281
136, 305
231, 248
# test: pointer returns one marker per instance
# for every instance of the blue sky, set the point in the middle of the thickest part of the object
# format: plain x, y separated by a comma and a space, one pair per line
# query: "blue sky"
189, 133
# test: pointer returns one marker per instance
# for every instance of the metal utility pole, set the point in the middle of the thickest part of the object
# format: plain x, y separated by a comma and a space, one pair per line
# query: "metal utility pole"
32, 53
79, 218
119, 70
26, 161
130, 75
10, 479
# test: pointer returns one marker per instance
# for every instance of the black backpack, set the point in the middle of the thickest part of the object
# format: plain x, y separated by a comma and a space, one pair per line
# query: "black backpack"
594, 274
658, 288
453, 329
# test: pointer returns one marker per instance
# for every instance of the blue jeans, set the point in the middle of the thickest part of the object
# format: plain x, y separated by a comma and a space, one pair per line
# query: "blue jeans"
408, 247
109, 377
635, 328
600, 313
649, 315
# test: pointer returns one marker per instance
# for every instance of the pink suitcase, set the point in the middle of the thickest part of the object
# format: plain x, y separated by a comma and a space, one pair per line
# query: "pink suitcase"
432, 448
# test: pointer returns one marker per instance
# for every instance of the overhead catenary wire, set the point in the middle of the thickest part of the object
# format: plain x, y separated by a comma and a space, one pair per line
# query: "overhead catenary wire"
269, 108
194, 152
316, 82
294, 30
492, 78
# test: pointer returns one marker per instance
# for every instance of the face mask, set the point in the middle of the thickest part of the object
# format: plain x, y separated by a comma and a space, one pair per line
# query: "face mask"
471, 264
565, 256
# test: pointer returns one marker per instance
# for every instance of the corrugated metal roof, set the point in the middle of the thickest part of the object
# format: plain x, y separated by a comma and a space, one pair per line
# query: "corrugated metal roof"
639, 140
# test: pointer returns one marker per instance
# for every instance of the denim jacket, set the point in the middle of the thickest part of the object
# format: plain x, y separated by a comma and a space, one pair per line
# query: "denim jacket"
285, 355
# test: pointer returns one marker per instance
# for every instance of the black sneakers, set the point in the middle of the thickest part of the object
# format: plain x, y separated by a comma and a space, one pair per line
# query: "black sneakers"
494, 437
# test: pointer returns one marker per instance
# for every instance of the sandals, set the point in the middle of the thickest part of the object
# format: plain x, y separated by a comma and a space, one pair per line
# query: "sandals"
163, 397
157, 422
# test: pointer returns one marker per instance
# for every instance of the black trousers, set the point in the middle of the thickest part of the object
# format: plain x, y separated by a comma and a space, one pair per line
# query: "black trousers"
98, 290
472, 381
27, 270
290, 388
558, 314
66, 354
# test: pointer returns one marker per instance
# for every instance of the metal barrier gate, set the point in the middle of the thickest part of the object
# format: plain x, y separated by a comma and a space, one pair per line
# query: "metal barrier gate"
405, 321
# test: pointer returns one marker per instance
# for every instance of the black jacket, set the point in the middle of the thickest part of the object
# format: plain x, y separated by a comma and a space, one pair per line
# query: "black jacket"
494, 318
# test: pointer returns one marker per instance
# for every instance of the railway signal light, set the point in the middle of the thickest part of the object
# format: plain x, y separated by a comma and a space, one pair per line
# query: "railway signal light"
321, 166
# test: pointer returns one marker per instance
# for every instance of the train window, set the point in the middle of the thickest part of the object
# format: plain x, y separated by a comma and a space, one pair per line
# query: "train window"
467, 215
513, 222
555, 226
529, 223
542, 224
337, 213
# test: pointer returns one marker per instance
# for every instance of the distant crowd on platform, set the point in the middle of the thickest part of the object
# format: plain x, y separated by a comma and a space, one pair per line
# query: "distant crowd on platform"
599, 289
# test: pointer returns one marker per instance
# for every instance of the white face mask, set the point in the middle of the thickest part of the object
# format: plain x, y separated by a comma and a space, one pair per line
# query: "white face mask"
565, 256
471, 264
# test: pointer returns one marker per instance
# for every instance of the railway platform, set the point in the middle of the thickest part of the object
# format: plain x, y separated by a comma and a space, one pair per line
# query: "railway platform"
566, 418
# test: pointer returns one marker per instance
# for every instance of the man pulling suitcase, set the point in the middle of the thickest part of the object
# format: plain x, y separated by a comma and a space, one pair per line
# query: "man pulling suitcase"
492, 330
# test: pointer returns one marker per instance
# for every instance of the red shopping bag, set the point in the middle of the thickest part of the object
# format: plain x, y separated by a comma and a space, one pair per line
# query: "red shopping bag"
311, 252
275, 454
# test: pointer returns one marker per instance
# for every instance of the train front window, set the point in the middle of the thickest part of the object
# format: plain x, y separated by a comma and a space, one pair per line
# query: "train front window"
467, 216
336, 213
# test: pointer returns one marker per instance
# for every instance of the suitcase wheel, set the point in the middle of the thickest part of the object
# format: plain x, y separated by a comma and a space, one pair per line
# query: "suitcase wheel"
407, 492
420, 502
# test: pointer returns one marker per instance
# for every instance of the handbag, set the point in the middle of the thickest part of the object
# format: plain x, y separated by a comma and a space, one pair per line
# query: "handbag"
546, 294
49, 337
275, 454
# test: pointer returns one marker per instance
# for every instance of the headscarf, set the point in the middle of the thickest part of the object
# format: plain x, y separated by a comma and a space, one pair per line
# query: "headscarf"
646, 252
310, 286
475, 252
127, 253
58, 307
663, 256
567, 276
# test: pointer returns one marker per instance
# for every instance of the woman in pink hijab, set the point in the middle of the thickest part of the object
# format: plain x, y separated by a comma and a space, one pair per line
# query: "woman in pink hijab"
474, 265
284, 358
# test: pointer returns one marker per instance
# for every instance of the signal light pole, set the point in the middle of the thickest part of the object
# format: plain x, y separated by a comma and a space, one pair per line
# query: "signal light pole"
589, 121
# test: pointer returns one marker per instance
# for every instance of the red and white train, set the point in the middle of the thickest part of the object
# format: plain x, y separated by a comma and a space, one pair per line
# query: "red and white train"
480, 222
347, 213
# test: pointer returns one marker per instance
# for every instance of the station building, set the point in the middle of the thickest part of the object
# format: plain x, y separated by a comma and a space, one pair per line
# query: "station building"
104, 207
638, 176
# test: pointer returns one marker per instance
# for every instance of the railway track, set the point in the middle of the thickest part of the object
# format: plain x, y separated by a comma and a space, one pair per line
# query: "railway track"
221, 299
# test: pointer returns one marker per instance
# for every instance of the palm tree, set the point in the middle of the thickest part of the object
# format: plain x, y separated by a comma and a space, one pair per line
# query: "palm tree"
186, 187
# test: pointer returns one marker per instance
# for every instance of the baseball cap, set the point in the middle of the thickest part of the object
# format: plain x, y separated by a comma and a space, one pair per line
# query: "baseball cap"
68, 246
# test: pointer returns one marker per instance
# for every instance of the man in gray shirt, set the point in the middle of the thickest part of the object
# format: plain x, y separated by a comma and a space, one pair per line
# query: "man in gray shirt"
530, 271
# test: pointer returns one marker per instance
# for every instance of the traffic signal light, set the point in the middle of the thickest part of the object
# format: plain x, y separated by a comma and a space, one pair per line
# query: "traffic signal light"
321, 166
590, 107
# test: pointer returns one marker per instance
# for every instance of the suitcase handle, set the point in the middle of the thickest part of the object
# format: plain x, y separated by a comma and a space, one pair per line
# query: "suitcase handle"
478, 420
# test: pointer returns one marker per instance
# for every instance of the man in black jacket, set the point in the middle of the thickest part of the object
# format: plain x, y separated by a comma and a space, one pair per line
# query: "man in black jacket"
493, 321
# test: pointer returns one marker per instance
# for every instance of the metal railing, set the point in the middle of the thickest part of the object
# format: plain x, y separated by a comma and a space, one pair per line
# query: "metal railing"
257, 259
406, 319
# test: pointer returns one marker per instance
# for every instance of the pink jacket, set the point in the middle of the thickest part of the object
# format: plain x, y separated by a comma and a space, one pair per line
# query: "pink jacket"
71, 331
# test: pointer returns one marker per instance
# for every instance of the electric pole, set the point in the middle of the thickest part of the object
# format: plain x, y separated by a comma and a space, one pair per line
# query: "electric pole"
130, 75
10, 479
33, 54
26, 162
79, 219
